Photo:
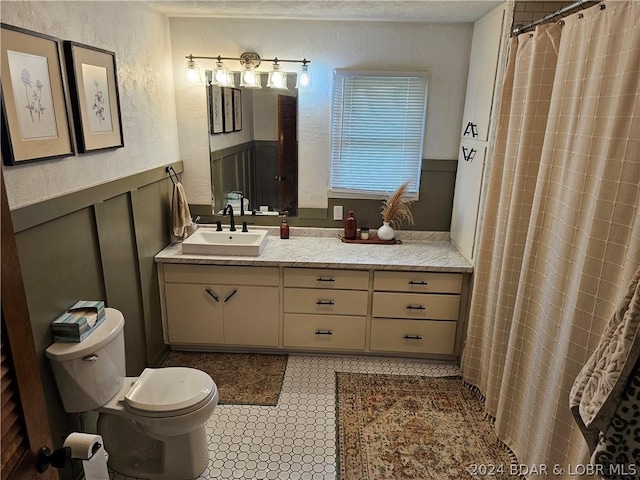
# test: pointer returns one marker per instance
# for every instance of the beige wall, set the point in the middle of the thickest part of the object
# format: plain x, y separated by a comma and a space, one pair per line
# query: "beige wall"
527, 11
140, 39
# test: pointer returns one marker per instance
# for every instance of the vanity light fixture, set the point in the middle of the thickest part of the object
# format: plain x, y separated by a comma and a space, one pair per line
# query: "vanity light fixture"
193, 71
277, 78
304, 77
249, 75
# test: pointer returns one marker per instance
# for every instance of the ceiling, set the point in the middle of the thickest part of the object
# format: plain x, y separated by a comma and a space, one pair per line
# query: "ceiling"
354, 10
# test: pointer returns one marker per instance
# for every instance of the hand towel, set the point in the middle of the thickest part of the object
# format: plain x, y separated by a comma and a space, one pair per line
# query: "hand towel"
598, 389
180, 214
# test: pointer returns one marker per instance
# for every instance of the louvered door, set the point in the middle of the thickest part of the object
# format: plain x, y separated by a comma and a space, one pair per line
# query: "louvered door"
25, 425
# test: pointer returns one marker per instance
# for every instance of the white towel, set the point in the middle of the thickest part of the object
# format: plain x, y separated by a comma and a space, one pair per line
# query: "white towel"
180, 214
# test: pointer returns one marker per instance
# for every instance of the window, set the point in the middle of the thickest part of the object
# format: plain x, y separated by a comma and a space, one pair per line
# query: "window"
377, 132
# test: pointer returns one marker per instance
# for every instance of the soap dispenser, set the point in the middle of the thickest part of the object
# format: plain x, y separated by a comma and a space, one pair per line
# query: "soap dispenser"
350, 227
284, 227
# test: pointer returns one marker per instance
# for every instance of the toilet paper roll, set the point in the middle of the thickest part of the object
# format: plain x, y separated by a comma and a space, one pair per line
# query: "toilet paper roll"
88, 448
83, 445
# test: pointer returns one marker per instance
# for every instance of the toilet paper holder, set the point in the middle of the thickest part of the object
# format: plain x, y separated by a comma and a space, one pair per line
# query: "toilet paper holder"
59, 458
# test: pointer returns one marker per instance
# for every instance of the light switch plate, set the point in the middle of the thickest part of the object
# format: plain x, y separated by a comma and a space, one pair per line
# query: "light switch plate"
337, 212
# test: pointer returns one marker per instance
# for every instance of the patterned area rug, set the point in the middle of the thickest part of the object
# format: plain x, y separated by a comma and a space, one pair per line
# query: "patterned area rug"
412, 427
241, 378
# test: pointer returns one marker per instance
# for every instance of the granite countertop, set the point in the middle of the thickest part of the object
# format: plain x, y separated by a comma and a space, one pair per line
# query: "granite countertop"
321, 248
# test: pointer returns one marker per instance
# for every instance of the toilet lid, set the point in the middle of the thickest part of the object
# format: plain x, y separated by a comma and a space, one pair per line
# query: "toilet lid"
169, 389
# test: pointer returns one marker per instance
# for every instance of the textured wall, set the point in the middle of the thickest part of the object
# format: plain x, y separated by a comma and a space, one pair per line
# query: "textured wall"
140, 39
441, 49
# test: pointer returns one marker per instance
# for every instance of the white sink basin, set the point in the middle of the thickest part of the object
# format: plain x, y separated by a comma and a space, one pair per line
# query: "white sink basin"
206, 241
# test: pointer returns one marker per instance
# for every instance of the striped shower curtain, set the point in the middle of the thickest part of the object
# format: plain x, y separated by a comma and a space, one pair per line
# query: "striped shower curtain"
560, 239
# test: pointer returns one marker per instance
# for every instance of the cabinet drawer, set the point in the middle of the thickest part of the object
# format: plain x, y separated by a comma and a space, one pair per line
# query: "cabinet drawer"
412, 336
220, 274
427, 282
326, 332
325, 301
416, 305
325, 278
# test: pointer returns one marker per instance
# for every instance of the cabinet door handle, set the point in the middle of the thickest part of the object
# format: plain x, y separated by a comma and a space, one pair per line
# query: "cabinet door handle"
325, 302
324, 332
415, 307
412, 337
230, 295
213, 295
321, 279
418, 282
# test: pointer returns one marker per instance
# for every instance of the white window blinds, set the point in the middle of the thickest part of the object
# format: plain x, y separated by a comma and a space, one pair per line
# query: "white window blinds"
377, 132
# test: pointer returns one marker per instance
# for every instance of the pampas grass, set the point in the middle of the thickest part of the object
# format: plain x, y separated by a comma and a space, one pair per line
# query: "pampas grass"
396, 207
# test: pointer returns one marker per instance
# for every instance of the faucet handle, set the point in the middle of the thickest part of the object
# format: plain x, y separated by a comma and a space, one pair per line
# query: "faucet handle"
218, 226
244, 227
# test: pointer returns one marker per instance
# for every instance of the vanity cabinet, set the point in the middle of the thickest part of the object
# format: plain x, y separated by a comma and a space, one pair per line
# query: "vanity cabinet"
325, 309
287, 306
207, 304
415, 312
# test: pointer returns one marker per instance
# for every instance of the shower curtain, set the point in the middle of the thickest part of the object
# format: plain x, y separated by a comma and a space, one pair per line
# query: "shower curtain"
560, 239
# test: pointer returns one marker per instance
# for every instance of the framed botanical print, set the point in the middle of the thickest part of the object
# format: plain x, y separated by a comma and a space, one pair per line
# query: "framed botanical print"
216, 120
35, 116
93, 85
237, 109
227, 100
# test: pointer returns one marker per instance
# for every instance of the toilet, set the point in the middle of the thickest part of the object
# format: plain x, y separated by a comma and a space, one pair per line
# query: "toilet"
153, 426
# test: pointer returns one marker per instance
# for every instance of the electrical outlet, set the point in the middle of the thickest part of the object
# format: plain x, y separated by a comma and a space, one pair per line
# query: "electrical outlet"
337, 212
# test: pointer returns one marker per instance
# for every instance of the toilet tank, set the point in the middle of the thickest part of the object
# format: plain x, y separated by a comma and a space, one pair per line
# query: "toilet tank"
91, 372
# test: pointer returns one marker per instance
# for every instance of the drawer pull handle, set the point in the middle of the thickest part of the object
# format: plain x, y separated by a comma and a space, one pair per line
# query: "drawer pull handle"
412, 337
471, 128
230, 295
320, 279
418, 282
213, 295
415, 307
90, 358
324, 332
325, 302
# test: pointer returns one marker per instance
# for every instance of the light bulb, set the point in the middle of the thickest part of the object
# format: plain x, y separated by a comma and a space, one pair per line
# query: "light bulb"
304, 77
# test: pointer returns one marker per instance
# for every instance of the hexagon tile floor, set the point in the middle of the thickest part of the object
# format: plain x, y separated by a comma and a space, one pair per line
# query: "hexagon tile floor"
296, 439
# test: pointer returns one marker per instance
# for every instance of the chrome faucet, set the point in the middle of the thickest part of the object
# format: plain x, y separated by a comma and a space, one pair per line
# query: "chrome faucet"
229, 210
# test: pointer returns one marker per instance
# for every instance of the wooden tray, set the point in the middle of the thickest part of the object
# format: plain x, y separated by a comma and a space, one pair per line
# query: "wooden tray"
372, 240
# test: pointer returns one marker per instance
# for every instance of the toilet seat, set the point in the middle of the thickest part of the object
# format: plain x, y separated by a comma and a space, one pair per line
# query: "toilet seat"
169, 391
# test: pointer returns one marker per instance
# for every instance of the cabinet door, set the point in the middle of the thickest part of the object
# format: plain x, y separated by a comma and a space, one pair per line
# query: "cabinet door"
466, 199
250, 315
194, 316
483, 67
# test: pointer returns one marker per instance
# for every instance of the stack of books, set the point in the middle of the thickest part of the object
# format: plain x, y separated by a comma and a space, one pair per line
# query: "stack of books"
78, 322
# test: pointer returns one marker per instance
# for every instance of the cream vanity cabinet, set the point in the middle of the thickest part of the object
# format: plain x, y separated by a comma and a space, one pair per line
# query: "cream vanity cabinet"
221, 305
325, 309
415, 312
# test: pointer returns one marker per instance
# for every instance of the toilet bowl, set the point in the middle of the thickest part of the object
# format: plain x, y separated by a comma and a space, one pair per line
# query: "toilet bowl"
153, 426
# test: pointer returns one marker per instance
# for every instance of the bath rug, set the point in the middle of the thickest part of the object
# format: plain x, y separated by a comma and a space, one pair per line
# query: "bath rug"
241, 378
412, 427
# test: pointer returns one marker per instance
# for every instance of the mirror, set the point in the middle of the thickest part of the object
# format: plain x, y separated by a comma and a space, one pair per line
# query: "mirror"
254, 152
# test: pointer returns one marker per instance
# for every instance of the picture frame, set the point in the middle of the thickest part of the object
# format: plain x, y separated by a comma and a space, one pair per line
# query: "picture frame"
237, 109
227, 101
35, 120
95, 100
216, 118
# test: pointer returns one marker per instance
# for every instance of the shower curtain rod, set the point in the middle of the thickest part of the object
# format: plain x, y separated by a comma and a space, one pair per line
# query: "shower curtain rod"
569, 8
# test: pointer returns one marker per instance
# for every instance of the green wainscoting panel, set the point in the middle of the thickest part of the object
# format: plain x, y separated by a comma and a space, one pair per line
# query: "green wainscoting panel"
60, 263
114, 221
151, 213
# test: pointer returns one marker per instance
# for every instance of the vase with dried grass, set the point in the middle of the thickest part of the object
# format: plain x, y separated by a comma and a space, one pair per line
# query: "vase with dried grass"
395, 209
